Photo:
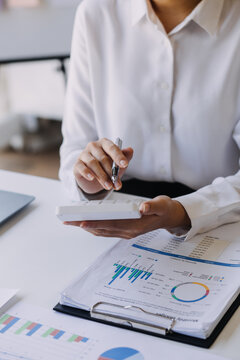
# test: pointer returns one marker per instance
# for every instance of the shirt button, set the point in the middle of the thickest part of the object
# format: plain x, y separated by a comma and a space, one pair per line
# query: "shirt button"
164, 85
162, 129
163, 170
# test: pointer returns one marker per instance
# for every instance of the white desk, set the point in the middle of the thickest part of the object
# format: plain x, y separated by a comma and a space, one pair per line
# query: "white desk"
36, 34
41, 256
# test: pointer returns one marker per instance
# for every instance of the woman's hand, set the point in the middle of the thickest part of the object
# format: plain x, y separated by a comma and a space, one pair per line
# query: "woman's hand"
160, 212
93, 168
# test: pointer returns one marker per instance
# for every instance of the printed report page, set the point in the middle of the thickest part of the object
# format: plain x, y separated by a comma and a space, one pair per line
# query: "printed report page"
194, 281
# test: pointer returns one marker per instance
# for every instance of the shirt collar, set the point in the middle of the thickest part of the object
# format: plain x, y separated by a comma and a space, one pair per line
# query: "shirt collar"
206, 14
139, 9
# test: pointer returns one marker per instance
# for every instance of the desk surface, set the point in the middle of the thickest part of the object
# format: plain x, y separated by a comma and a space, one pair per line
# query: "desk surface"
36, 34
40, 256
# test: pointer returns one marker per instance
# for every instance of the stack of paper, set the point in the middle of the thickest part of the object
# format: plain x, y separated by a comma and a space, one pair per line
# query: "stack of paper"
192, 282
6, 297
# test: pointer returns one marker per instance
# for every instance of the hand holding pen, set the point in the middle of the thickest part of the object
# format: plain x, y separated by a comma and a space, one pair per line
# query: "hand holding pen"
101, 165
115, 167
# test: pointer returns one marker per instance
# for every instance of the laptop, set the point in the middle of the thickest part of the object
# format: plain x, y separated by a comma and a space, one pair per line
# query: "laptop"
11, 203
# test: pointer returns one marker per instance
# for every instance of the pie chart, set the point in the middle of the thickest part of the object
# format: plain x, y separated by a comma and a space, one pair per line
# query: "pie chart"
121, 353
189, 292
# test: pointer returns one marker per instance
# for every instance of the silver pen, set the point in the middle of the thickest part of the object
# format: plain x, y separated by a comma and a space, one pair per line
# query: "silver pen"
115, 167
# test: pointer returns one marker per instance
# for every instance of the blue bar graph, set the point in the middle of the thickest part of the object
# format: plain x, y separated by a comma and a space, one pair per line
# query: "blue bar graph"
134, 274
59, 334
31, 332
9, 325
23, 327
84, 340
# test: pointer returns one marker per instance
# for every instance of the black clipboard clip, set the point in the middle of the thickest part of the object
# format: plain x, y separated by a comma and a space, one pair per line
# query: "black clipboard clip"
132, 323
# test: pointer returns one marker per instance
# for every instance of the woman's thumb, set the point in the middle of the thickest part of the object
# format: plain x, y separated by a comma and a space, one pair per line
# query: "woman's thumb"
155, 206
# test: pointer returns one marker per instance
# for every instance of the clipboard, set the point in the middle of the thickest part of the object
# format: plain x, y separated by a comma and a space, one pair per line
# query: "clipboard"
166, 333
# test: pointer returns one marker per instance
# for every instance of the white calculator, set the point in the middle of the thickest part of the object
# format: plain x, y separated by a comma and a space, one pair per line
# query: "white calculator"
100, 210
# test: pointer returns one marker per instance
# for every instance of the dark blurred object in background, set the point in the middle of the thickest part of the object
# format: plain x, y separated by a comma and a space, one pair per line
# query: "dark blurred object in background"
38, 135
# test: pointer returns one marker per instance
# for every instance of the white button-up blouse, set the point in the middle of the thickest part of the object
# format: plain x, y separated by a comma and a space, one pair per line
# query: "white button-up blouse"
174, 98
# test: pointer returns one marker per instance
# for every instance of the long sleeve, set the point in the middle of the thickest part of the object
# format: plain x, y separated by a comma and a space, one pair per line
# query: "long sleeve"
215, 204
78, 124
174, 98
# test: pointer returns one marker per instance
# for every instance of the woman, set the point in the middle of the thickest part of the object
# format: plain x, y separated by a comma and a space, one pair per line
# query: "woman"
163, 75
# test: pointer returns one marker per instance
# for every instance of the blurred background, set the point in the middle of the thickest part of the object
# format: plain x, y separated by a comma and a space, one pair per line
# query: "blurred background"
35, 42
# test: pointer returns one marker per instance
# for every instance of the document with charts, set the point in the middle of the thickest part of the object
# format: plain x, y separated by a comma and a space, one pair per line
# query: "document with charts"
30, 332
193, 282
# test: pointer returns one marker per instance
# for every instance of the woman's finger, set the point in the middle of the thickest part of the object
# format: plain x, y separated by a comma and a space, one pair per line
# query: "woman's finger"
106, 233
81, 170
115, 153
128, 152
93, 168
94, 165
98, 153
100, 230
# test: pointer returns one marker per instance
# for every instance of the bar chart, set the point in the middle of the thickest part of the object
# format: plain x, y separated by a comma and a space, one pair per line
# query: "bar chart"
19, 326
131, 273
6, 322
28, 339
29, 328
